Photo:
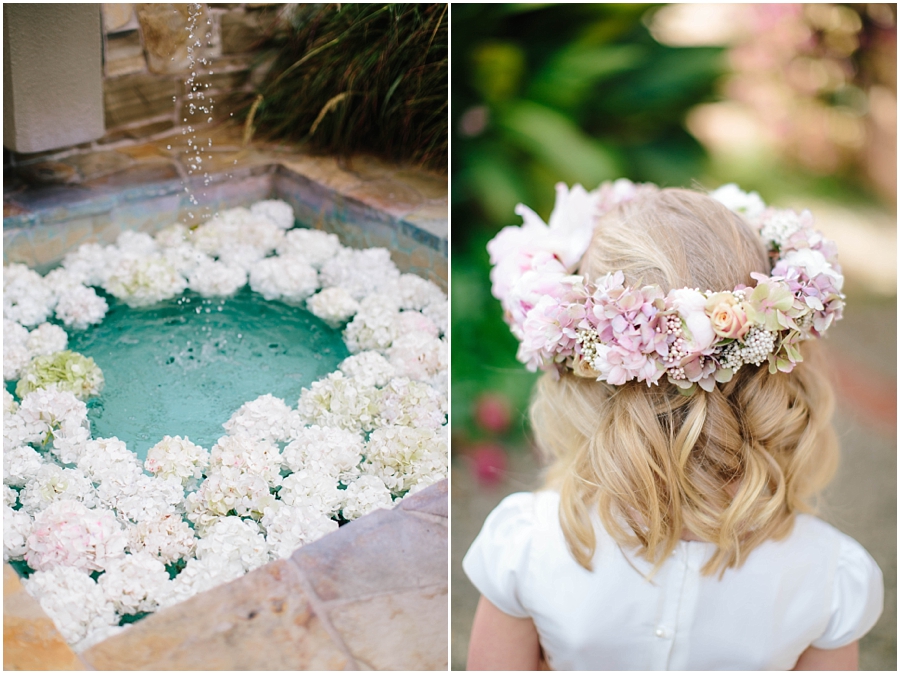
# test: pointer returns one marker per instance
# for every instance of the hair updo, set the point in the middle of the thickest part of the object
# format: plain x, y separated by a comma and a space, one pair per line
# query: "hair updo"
731, 466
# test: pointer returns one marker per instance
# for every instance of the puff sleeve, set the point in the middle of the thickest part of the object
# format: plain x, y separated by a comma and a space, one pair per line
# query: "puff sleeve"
497, 562
857, 596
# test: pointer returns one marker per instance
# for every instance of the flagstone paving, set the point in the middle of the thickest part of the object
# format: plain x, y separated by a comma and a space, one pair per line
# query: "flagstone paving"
370, 596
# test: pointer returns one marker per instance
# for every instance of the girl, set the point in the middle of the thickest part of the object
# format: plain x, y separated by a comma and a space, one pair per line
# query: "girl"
687, 439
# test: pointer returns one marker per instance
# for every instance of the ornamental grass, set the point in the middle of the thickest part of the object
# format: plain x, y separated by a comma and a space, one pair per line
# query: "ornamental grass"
368, 77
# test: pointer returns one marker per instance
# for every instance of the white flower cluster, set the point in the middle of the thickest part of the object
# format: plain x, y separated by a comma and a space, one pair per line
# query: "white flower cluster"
359, 438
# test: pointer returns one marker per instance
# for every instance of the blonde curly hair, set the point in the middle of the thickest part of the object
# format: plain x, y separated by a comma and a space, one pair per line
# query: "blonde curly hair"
731, 466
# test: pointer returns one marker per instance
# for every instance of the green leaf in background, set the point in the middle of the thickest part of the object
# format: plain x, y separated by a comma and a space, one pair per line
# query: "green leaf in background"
492, 178
497, 70
555, 139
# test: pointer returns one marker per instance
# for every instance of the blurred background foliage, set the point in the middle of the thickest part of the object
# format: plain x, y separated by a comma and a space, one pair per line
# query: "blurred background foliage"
795, 101
347, 78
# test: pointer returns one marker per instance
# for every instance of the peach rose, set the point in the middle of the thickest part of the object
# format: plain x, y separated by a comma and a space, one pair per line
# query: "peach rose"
727, 315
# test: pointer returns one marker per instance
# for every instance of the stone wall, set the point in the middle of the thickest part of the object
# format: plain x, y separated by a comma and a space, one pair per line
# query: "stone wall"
147, 63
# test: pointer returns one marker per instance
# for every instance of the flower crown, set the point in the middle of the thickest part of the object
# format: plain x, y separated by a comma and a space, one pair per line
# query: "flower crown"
622, 333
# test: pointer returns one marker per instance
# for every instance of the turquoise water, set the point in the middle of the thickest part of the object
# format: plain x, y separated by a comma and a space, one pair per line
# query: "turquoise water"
184, 366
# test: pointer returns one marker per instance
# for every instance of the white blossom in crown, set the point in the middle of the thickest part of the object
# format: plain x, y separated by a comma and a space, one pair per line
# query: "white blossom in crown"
210, 278
341, 402
289, 279
68, 533
363, 495
290, 527
314, 246
333, 305
81, 307
748, 204
278, 212
167, 538
136, 583
73, 600
178, 458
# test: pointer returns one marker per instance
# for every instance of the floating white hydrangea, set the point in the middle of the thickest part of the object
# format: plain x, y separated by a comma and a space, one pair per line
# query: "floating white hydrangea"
227, 491
439, 313
52, 483
277, 211
200, 575
73, 600
27, 299
216, 279
328, 451
341, 402
360, 272
418, 355
10, 496
406, 402
17, 525
108, 458
363, 495
136, 244
266, 418
248, 455
172, 236
142, 281
136, 583
49, 411
334, 305
409, 320
314, 246
373, 326
134, 498
81, 307
401, 456
177, 458
68, 533
234, 539
416, 293
15, 359
10, 406
20, 465
91, 262
310, 489
62, 281
290, 527
369, 368
166, 537
47, 339
225, 233
185, 258
66, 370
290, 279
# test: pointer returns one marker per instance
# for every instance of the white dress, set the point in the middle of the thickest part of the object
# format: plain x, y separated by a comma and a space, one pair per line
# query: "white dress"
817, 587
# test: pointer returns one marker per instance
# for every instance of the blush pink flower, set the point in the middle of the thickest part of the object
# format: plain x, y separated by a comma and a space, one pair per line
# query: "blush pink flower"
727, 315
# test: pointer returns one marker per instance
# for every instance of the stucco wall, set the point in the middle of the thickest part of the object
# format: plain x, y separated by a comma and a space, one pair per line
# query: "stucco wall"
52, 75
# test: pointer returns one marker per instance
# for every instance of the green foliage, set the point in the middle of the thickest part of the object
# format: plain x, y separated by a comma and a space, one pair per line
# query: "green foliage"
542, 94
360, 77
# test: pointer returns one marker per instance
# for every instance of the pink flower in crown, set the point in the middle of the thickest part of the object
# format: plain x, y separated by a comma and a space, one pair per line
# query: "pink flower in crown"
540, 279
550, 328
727, 316
611, 194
